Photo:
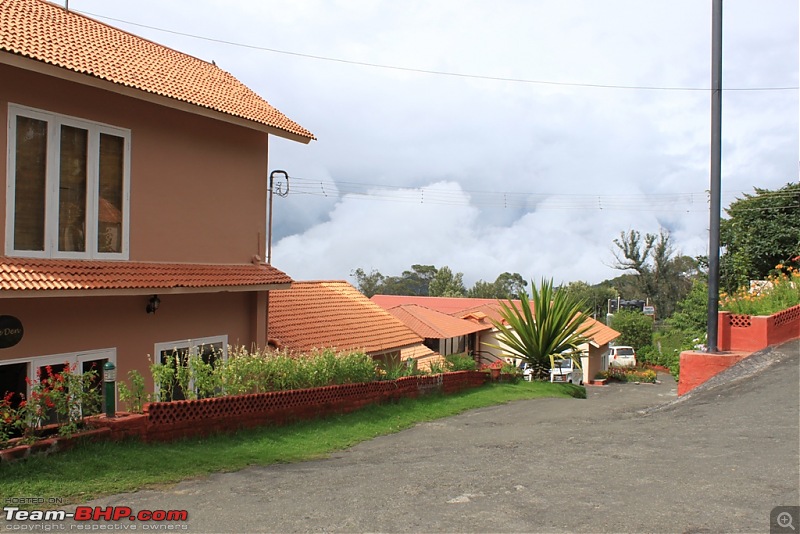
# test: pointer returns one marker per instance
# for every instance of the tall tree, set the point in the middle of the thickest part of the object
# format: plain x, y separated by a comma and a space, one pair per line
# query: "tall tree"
761, 231
548, 325
596, 297
659, 274
447, 284
504, 287
510, 284
369, 284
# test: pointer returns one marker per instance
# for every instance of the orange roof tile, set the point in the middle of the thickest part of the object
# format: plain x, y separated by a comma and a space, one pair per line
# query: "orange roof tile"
463, 308
24, 276
599, 333
48, 33
333, 314
417, 352
433, 324
448, 305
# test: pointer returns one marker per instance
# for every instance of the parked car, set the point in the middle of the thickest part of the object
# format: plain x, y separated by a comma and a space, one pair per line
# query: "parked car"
566, 371
622, 356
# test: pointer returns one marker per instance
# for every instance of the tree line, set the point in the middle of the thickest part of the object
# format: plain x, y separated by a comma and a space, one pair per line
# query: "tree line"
430, 281
761, 230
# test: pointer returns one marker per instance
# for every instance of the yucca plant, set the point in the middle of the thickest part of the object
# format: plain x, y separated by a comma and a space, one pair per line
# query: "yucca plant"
551, 325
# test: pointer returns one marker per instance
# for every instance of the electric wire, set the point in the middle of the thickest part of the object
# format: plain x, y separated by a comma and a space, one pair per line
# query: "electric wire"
430, 71
650, 202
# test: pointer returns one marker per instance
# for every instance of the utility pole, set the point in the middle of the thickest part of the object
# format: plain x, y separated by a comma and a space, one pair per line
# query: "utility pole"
716, 180
281, 193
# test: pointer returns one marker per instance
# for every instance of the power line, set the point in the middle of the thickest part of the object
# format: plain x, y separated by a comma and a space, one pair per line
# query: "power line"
651, 202
434, 72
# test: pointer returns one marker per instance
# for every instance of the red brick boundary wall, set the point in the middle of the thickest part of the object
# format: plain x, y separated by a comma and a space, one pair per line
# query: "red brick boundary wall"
698, 367
166, 421
738, 337
755, 332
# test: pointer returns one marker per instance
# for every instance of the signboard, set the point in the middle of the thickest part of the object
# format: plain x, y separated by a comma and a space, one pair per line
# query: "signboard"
10, 331
649, 310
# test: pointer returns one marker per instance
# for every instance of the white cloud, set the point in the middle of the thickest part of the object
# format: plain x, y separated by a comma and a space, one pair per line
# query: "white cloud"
641, 154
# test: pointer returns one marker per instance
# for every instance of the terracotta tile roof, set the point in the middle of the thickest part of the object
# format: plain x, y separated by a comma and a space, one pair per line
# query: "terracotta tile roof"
599, 333
432, 324
463, 308
448, 305
333, 314
47, 32
25, 275
417, 352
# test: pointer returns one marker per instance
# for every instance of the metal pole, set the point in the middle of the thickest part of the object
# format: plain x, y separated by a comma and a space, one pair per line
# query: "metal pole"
109, 380
716, 166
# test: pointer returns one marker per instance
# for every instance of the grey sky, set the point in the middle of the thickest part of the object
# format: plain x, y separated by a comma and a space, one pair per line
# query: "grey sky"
484, 175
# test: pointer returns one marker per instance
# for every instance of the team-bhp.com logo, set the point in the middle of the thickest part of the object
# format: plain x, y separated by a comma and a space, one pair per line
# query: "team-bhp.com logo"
94, 514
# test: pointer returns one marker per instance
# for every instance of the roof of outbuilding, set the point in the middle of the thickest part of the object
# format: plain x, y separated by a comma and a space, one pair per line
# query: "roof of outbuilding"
448, 305
32, 277
481, 311
432, 324
49, 33
333, 314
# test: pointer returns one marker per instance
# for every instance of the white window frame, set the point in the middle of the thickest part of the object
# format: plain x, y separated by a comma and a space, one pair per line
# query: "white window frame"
54, 123
192, 345
73, 358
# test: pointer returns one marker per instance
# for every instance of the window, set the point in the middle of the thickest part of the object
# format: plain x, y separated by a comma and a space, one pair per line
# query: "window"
68, 184
178, 352
13, 373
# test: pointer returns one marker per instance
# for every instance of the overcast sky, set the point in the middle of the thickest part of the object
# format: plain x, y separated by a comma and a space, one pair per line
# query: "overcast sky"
531, 155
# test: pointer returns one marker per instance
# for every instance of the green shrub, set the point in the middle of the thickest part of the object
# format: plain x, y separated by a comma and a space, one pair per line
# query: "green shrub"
781, 291
134, 396
460, 362
636, 329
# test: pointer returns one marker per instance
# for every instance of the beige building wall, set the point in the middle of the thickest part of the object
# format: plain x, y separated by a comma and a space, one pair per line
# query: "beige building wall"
198, 186
78, 324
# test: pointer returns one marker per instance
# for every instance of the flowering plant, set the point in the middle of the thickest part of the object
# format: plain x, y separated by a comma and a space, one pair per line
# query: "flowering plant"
780, 291
62, 397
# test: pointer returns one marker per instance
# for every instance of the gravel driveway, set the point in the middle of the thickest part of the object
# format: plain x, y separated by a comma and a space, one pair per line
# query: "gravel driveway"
626, 459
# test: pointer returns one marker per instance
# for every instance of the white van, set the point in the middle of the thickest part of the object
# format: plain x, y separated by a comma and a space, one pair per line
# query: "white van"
566, 371
621, 356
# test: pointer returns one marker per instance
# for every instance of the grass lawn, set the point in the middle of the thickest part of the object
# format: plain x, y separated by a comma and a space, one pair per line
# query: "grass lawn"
96, 469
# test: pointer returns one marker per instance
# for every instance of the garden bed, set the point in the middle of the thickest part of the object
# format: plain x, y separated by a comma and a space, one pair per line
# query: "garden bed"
167, 421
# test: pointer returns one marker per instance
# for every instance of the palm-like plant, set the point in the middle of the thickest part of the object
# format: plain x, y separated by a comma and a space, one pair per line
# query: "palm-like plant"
550, 325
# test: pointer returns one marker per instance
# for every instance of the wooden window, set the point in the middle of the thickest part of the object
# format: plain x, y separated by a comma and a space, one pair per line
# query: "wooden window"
68, 183
30, 171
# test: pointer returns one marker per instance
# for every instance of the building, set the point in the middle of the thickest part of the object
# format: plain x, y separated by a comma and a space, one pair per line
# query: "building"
134, 202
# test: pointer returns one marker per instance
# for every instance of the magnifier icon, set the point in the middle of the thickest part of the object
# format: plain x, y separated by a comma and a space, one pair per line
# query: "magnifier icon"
784, 520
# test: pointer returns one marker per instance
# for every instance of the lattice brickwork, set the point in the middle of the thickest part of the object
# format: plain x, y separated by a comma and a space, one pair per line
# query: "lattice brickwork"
788, 316
173, 420
740, 321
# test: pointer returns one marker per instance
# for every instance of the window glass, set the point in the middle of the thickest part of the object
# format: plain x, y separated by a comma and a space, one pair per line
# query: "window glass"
72, 190
70, 183
96, 383
43, 372
109, 216
174, 358
30, 185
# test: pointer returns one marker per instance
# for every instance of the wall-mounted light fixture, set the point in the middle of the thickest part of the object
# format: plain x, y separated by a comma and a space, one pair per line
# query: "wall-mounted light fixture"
153, 304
